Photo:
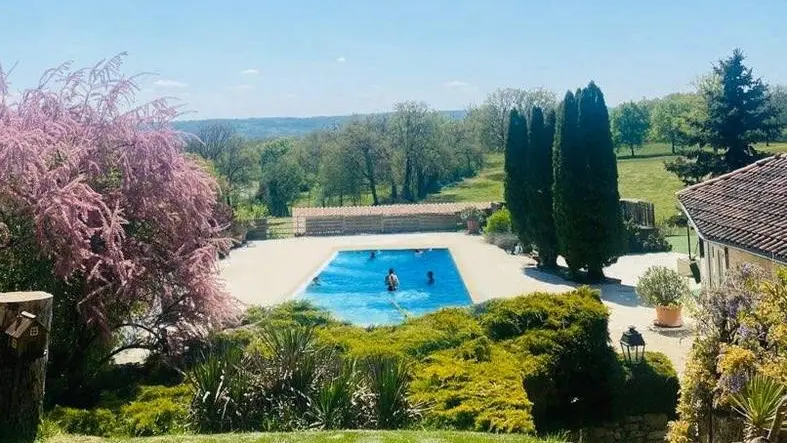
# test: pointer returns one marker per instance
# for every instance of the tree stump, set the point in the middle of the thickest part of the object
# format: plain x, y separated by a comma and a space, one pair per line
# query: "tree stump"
22, 380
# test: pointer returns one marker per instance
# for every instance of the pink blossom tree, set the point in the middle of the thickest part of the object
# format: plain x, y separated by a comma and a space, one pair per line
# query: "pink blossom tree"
100, 206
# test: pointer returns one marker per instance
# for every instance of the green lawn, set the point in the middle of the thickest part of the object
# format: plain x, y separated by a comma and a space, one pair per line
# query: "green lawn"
641, 177
319, 437
485, 187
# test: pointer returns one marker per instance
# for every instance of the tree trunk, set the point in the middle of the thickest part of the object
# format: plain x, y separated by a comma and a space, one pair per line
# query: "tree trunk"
22, 382
595, 275
632, 150
673, 144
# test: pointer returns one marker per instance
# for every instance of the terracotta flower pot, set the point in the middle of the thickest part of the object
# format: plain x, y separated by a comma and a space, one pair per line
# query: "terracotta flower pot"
669, 316
473, 226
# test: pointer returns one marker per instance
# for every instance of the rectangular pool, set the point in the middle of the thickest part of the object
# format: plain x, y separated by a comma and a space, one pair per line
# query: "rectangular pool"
352, 285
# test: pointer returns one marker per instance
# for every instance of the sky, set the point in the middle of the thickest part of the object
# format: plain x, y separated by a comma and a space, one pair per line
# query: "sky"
261, 58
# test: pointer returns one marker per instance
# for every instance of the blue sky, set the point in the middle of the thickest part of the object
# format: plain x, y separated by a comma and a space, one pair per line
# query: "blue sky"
244, 58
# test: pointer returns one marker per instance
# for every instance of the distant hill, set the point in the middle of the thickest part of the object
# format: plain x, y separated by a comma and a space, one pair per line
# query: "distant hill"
273, 127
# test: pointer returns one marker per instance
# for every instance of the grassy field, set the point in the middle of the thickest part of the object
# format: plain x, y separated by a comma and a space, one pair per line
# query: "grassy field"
319, 437
641, 177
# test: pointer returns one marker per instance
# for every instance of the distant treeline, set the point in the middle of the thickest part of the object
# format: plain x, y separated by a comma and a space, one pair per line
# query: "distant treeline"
275, 127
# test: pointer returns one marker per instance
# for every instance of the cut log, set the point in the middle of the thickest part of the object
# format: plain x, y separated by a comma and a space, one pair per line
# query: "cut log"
22, 380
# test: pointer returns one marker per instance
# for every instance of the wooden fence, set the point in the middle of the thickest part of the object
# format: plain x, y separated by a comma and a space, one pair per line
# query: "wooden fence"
389, 219
639, 211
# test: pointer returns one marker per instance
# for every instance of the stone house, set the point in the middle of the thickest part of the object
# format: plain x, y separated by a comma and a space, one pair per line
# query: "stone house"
740, 217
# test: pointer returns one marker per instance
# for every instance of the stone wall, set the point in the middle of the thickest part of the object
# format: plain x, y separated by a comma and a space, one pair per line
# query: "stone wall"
648, 428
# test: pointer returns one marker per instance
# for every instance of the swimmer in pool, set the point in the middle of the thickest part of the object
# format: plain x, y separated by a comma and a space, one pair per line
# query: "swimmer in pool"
430, 277
316, 281
391, 280
372, 255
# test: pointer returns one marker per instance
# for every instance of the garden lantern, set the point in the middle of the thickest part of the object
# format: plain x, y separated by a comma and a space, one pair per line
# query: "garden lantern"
633, 346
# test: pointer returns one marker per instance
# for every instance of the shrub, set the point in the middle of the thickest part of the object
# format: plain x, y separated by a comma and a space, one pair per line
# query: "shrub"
639, 240
506, 241
157, 410
509, 318
661, 286
499, 222
464, 393
99, 422
562, 340
388, 379
650, 387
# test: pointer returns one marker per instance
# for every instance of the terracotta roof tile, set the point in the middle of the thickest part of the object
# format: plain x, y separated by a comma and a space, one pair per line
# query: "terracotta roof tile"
746, 208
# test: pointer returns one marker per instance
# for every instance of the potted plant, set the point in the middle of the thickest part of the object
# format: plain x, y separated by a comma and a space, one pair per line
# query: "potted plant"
665, 289
472, 218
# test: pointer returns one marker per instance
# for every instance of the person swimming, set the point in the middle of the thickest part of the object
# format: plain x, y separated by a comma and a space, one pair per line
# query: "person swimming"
418, 252
391, 280
430, 277
372, 255
316, 281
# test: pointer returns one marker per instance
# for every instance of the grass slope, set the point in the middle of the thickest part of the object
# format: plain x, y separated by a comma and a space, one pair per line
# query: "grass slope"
319, 437
642, 177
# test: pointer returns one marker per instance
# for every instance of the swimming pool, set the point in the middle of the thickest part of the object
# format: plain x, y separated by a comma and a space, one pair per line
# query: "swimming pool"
352, 285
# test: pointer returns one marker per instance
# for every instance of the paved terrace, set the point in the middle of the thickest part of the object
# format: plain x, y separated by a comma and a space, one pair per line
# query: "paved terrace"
272, 271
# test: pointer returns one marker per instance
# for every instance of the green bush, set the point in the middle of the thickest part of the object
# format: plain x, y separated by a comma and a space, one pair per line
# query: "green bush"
650, 387
661, 286
563, 342
640, 240
99, 422
157, 410
499, 222
506, 241
508, 318
473, 394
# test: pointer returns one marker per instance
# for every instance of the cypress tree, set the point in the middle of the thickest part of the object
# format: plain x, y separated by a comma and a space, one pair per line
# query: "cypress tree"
515, 173
540, 225
568, 185
603, 224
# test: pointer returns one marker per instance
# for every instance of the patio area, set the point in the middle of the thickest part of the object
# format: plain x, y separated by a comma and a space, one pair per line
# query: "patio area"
270, 272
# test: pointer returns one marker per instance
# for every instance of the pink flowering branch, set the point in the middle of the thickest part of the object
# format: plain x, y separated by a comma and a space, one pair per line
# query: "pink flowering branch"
113, 199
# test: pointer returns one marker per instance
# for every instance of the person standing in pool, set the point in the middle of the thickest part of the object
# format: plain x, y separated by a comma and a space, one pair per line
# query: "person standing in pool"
430, 278
391, 280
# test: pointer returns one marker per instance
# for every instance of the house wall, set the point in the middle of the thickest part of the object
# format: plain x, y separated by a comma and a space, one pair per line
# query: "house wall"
717, 259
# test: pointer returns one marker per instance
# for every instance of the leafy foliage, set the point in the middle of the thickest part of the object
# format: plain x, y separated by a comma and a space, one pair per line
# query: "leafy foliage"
630, 124
662, 286
644, 239
499, 222
90, 187
761, 403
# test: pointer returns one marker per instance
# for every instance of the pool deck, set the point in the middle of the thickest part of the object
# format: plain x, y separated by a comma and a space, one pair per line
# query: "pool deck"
272, 271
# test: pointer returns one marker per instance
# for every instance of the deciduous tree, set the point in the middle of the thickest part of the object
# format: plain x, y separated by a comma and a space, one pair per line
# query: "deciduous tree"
630, 123
105, 211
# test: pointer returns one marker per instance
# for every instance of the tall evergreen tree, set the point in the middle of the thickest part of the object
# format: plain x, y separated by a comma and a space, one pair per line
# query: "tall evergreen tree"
603, 225
568, 192
515, 172
739, 114
540, 225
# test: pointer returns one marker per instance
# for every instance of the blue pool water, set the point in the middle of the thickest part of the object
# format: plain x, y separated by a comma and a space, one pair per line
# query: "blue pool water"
352, 286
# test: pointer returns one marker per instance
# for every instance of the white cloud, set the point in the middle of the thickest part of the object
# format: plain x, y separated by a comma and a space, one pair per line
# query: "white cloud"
170, 84
250, 71
243, 87
341, 60
456, 84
